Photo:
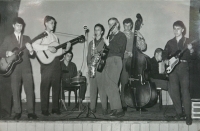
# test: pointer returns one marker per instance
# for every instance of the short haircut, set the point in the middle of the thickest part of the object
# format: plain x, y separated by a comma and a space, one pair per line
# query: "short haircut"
70, 52
18, 20
128, 20
102, 28
116, 20
181, 24
48, 18
158, 50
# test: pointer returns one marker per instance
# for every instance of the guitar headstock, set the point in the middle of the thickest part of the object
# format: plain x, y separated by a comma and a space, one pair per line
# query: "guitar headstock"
43, 34
113, 26
138, 22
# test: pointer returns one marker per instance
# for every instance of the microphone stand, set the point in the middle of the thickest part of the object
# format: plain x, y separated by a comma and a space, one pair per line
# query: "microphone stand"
86, 109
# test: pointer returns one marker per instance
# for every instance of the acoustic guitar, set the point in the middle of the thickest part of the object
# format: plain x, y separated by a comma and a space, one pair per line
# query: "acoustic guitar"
46, 57
7, 64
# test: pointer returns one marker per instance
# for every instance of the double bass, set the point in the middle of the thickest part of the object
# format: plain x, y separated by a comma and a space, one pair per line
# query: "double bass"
139, 92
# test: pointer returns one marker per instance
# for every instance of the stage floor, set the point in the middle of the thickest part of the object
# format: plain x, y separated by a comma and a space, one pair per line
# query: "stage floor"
153, 114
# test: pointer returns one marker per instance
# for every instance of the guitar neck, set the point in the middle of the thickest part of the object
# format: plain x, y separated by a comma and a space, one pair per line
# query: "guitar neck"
73, 41
182, 51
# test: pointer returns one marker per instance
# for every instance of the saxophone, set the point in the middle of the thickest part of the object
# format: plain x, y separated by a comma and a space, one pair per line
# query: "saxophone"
94, 61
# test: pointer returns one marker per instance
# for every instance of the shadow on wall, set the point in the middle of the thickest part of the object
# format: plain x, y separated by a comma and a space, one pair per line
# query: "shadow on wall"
8, 11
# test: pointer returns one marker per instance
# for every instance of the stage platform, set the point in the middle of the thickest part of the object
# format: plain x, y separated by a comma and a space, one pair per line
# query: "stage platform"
152, 120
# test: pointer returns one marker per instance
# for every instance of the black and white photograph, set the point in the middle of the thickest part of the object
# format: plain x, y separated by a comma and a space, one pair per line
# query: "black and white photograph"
99, 65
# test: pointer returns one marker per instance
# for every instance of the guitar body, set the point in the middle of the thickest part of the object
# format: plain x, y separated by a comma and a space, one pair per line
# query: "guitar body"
172, 63
8, 63
46, 57
103, 58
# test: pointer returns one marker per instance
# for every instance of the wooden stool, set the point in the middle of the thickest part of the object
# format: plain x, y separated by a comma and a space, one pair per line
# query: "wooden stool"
195, 108
159, 91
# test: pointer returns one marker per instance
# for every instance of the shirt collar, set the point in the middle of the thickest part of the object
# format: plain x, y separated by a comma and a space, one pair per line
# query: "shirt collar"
181, 40
16, 34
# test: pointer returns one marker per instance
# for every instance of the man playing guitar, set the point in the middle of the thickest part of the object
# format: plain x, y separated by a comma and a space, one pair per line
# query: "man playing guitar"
111, 73
179, 77
23, 71
50, 73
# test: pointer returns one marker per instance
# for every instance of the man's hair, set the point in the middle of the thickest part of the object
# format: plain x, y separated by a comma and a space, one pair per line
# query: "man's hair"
102, 28
116, 20
158, 50
128, 20
181, 24
18, 20
48, 18
70, 52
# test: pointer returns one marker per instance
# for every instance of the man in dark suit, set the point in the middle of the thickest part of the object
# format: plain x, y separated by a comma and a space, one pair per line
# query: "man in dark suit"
23, 71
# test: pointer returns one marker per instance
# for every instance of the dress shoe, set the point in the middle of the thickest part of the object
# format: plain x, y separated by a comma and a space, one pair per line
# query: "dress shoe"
179, 117
117, 114
112, 112
188, 120
32, 116
57, 111
17, 116
124, 108
45, 113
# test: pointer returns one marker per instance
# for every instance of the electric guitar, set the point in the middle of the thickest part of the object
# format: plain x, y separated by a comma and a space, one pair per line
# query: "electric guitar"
104, 52
7, 64
175, 59
46, 57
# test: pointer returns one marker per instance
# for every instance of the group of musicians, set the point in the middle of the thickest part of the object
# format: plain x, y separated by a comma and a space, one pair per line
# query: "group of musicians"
105, 83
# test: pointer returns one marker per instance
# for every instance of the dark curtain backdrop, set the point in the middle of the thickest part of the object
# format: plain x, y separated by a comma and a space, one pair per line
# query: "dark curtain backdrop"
8, 10
195, 34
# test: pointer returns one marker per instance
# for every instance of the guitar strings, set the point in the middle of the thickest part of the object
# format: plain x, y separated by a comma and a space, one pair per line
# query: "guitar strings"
66, 34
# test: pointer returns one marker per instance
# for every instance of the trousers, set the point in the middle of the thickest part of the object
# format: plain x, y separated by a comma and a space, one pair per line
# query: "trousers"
50, 77
96, 86
111, 74
179, 88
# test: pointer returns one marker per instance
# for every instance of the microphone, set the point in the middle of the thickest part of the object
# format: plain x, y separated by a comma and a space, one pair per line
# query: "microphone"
86, 28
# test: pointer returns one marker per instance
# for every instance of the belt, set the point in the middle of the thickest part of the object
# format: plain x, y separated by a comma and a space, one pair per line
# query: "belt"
183, 60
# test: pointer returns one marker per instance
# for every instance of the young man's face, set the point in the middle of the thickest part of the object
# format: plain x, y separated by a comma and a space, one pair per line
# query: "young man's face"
50, 24
17, 27
68, 57
159, 56
127, 27
178, 31
111, 23
98, 31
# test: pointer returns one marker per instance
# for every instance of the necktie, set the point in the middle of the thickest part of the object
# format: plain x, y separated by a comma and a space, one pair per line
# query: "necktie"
18, 39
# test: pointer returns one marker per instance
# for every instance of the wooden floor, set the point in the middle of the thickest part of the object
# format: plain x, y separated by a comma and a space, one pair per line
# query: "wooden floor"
72, 112
152, 120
